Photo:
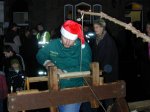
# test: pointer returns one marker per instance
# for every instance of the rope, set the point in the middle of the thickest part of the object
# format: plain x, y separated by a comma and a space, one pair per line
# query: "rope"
92, 91
129, 26
82, 16
95, 96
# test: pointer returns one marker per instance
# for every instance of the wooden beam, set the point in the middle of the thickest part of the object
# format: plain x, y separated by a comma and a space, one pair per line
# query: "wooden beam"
75, 74
95, 74
66, 96
139, 105
95, 82
37, 79
53, 78
129, 26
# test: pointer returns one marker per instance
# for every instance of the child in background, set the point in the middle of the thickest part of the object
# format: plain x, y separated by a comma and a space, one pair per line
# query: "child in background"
16, 77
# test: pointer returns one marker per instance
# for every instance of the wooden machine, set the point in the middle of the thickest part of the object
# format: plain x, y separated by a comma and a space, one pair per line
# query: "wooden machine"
54, 96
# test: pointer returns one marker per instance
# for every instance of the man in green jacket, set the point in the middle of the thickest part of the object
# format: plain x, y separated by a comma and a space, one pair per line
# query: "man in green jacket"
70, 54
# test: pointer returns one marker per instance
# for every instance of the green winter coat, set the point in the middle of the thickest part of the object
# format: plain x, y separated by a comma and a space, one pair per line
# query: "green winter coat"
67, 59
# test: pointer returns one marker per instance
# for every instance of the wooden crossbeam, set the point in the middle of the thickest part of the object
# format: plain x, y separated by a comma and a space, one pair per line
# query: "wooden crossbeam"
66, 96
75, 74
139, 105
37, 79
129, 26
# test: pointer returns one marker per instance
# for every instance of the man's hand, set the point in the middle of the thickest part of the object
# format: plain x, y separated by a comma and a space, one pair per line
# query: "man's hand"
48, 64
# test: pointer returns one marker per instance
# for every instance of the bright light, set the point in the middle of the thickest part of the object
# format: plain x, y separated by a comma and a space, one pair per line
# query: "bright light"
40, 72
91, 34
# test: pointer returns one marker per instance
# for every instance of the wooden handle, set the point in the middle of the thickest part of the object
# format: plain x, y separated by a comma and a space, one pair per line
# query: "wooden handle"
75, 74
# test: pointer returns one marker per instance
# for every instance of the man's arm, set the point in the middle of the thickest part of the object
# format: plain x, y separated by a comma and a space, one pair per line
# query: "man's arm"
43, 56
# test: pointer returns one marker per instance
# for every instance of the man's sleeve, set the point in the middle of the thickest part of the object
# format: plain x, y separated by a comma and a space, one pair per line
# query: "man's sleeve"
43, 55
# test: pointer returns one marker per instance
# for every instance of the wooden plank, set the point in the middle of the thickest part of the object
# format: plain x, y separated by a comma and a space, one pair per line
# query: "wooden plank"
75, 74
27, 91
95, 74
66, 96
53, 78
37, 79
95, 82
139, 105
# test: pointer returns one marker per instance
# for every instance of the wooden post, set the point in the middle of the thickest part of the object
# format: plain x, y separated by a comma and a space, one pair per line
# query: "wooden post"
27, 83
95, 81
120, 106
101, 78
53, 83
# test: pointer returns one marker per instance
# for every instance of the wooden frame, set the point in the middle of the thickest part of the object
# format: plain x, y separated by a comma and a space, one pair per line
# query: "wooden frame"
66, 96
55, 97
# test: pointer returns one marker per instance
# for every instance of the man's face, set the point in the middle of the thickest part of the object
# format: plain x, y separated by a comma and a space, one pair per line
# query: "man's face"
148, 29
7, 54
40, 28
98, 29
67, 43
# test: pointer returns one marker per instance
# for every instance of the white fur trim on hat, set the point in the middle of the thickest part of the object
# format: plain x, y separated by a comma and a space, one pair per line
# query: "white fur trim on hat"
68, 35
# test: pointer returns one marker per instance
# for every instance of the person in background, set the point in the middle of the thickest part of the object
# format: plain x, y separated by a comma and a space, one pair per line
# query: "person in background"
10, 54
34, 32
65, 53
146, 65
29, 51
3, 90
148, 33
105, 52
16, 77
43, 36
12, 38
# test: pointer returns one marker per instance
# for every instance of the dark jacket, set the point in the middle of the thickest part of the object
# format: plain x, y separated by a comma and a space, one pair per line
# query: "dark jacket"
107, 55
16, 80
9, 37
3, 86
7, 62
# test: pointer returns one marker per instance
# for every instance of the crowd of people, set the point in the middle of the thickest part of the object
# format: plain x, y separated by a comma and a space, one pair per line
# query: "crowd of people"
69, 50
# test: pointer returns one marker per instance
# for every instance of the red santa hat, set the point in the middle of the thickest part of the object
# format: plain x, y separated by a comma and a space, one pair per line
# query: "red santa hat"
73, 30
